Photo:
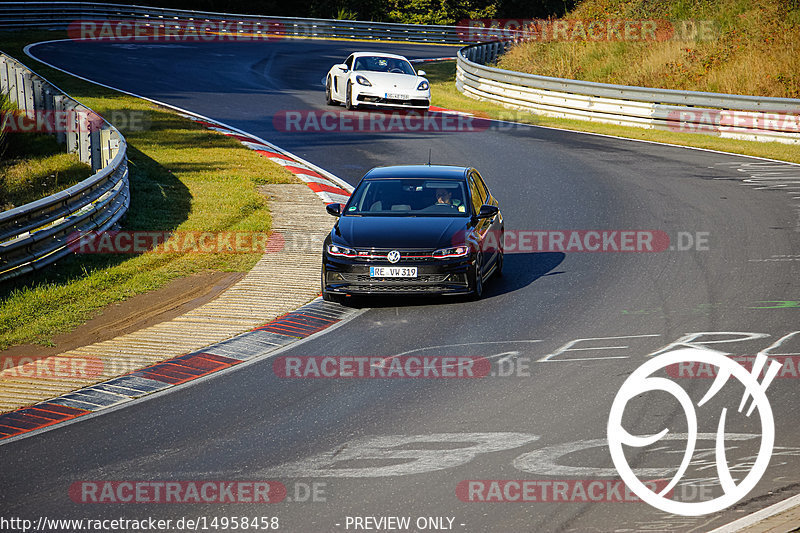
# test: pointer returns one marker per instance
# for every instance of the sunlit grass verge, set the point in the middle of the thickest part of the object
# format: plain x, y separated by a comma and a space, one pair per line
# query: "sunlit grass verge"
183, 177
34, 165
442, 77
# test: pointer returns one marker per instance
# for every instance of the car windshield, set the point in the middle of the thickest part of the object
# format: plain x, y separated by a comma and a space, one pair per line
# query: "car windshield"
384, 64
409, 197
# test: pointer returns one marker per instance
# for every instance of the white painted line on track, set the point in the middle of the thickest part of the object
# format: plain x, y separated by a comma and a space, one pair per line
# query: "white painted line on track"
758, 516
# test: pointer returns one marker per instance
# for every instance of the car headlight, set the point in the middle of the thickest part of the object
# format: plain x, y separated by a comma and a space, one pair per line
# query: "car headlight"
361, 80
423, 85
341, 251
455, 251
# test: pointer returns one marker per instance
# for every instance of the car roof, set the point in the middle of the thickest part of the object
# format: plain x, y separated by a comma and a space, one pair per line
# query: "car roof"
380, 54
418, 171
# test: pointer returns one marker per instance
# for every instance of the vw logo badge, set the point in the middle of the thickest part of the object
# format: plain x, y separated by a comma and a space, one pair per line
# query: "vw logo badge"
394, 256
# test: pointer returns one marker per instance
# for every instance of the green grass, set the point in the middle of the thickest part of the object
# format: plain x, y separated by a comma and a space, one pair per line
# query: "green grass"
5, 107
444, 93
182, 176
33, 166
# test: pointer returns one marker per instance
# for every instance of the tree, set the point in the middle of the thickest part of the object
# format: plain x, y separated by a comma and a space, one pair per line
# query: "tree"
447, 12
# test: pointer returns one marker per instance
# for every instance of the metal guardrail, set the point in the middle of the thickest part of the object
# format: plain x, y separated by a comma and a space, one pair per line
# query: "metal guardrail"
732, 116
59, 15
41, 232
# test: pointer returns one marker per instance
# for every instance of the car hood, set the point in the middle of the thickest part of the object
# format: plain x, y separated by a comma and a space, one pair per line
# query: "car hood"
400, 232
391, 80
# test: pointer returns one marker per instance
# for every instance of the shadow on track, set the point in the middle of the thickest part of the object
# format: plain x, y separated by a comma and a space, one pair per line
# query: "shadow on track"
519, 271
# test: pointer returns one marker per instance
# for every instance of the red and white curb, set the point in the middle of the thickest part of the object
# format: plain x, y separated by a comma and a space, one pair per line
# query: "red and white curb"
432, 59
449, 111
263, 341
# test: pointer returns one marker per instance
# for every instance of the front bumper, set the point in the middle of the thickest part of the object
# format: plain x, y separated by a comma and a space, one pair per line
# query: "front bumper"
447, 276
365, 96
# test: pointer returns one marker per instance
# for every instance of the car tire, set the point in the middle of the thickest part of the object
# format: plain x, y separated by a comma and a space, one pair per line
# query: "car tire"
327, 296
477, 281
498, 269
328, 96
348, 98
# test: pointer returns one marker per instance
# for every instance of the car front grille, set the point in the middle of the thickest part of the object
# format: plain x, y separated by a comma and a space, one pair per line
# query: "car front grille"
393, 101
405, 255
424, 278
402, 287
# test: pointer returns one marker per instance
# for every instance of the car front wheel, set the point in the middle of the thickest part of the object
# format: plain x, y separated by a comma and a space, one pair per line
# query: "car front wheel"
328, 96
477, 279
327, 296
498, 269
348, 97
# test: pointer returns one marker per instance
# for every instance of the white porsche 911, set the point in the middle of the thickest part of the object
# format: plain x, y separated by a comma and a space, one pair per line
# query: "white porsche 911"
377, 79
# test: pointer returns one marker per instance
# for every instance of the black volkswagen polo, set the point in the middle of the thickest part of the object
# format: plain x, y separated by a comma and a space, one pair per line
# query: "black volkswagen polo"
418, 229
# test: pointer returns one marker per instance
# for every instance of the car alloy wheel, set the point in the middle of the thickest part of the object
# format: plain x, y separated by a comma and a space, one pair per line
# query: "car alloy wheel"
327, 296
477, 286
498, 269
348, 98
328, 96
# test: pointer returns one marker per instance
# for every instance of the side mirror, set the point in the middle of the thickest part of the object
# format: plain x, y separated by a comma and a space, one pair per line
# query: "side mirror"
488, 211
420, 73
342, 67
334, 209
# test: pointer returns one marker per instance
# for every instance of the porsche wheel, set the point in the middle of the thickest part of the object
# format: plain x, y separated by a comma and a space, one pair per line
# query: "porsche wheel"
328, 96
348, 98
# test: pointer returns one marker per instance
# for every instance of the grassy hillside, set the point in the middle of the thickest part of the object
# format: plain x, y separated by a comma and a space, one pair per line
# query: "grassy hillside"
755, 49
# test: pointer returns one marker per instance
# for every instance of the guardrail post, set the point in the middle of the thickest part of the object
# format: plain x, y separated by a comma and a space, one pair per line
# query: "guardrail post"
71, 135
59, 109
105, 146
47, 98
26, 101
13, 80
113, 146
96, 147
38, 94
84, 135
3, 75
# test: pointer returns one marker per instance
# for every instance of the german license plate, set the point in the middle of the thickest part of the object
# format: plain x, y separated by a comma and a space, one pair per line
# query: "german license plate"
393, 272
396, 96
